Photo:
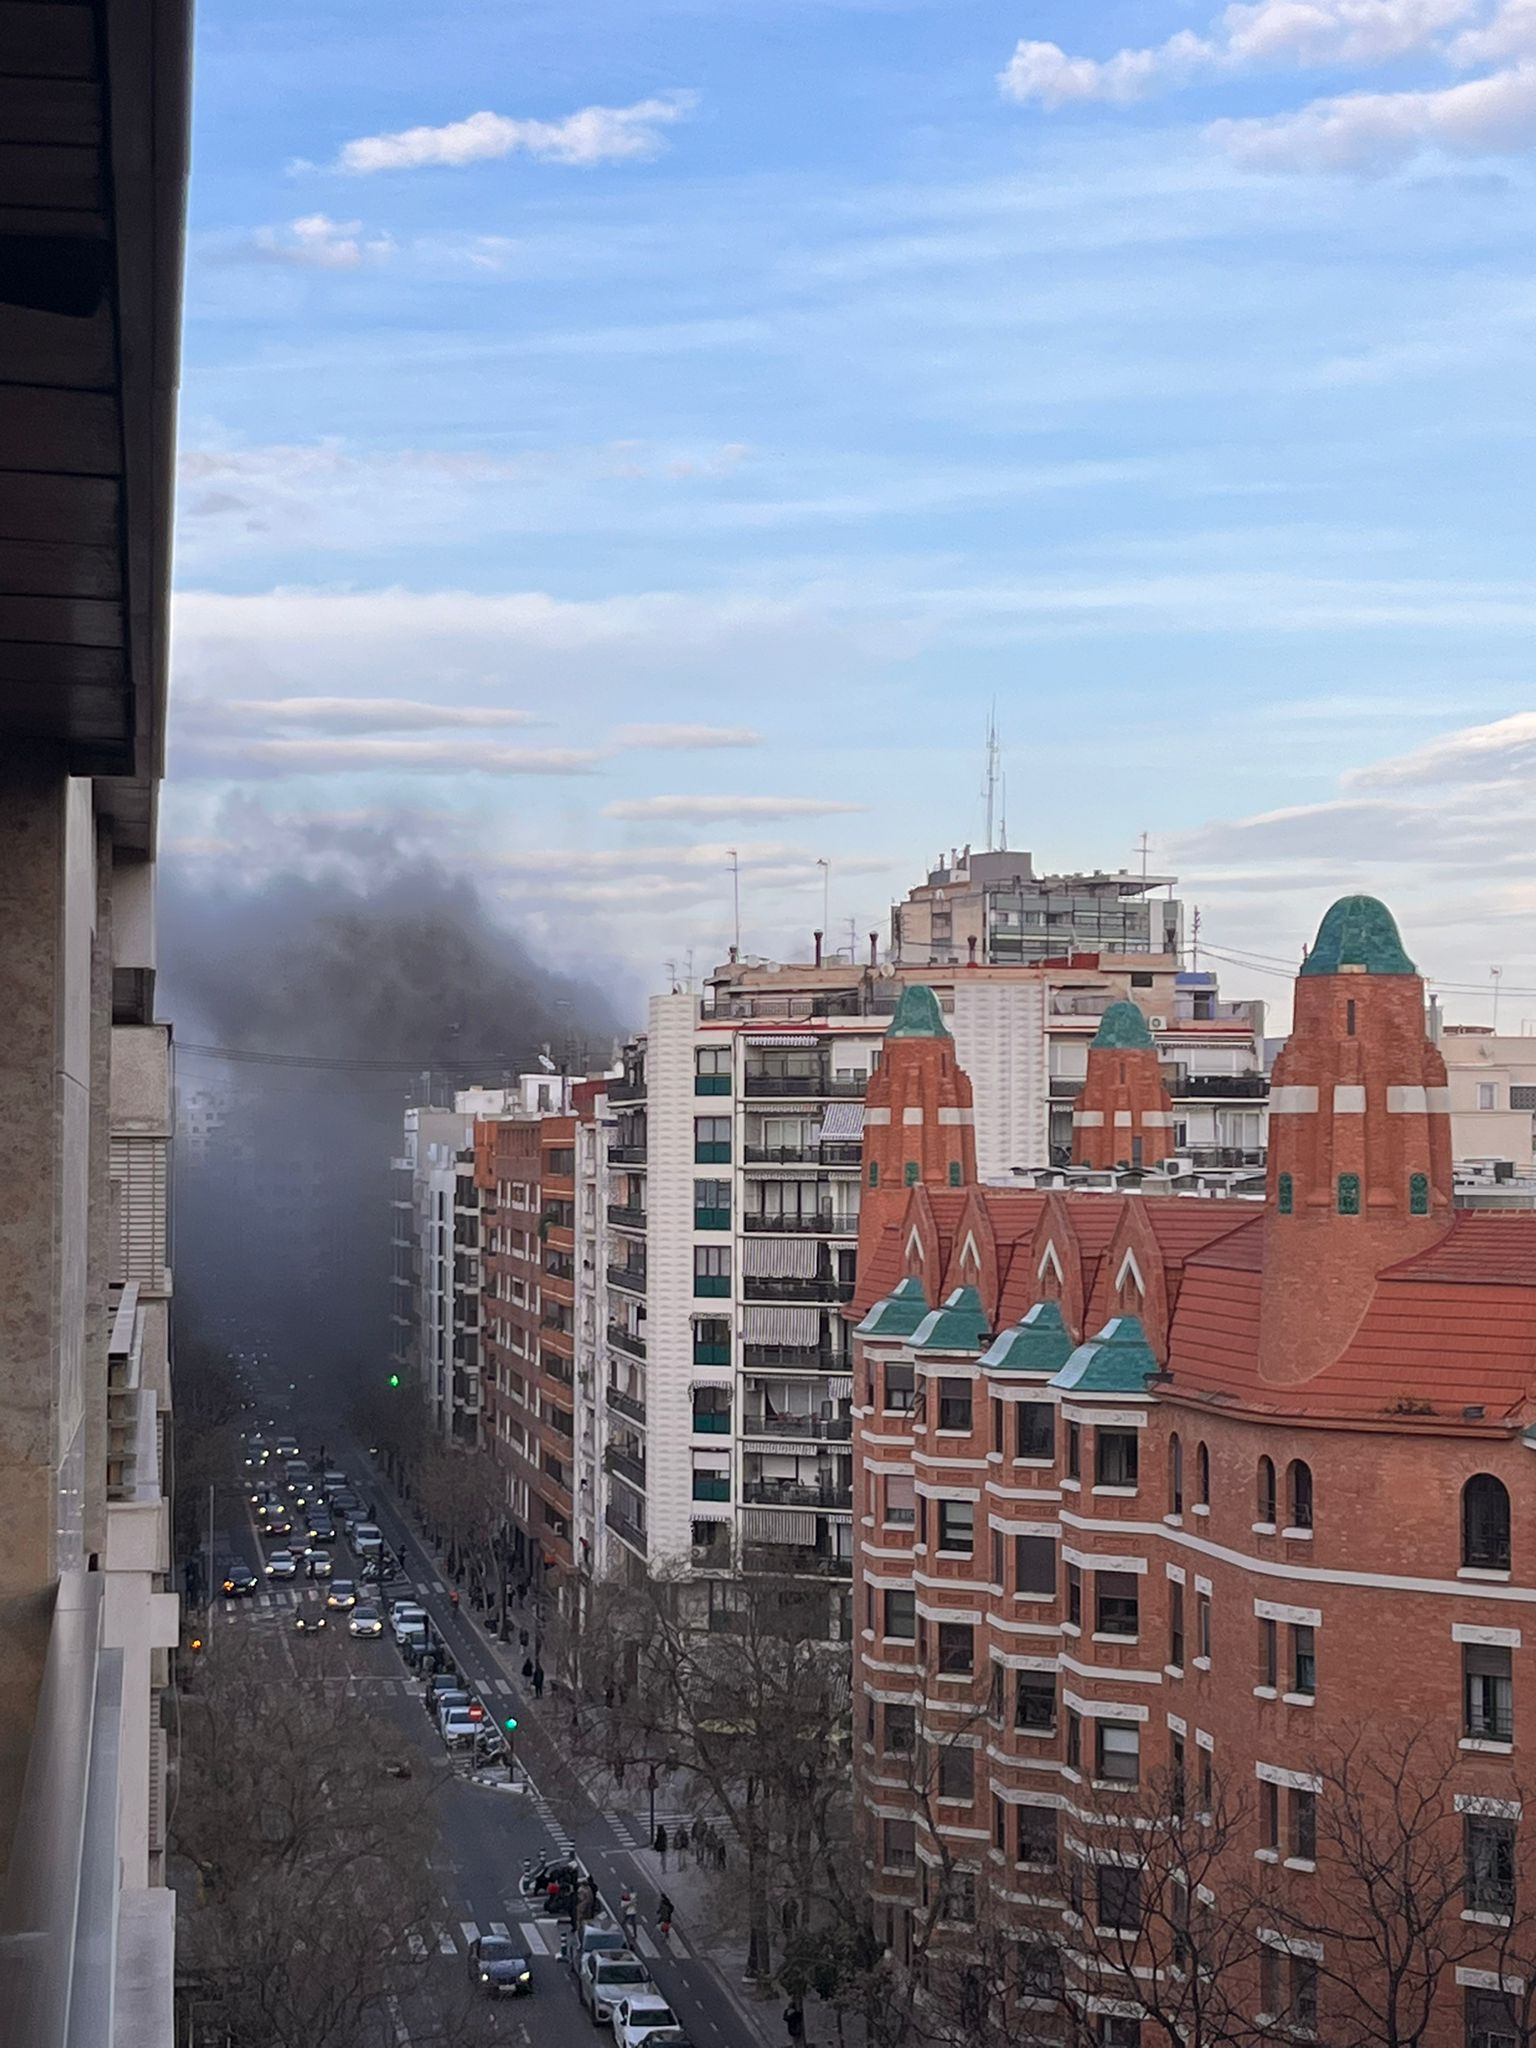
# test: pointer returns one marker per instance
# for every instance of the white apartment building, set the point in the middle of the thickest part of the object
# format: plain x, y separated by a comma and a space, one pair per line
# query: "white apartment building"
1493, 1094
425, 1203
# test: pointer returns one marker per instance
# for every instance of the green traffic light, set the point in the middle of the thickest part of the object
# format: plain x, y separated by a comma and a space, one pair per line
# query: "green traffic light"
510, 1724
394, 1379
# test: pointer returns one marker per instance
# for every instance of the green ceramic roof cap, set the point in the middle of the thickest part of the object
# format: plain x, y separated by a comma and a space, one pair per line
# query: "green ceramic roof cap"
1117, 1361
960, 1325
1358, 932
1123, 1027
917, 1014
1039, 1343
899, 1314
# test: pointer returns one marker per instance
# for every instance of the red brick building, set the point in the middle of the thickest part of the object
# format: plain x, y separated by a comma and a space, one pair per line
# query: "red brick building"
1124, 1115
1154, 1493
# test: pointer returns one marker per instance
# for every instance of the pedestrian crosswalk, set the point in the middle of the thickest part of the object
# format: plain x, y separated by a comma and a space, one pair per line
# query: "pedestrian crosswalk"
439, 1938
633, 1830
562, 1842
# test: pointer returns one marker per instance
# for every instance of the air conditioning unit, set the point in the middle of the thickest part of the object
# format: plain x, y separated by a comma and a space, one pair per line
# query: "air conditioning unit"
1157, 1023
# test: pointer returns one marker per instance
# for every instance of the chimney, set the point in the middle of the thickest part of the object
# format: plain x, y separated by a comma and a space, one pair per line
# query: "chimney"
970, 947
735, 955
817, 936
874, 949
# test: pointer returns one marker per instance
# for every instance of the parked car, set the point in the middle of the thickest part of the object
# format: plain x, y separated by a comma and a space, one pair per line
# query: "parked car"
605, 1979
239, 1579
343, 1594
439, 1683
451, 1696
637, 2017
365, 1622
282, 1564
595, 1940
456, 1726
405, 1614
497, 1967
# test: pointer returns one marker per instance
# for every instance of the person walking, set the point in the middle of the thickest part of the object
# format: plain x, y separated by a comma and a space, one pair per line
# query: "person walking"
453, 1599
661, 1845
794, 2020
629, 1918
538, 1681
680, 1843
664, 1911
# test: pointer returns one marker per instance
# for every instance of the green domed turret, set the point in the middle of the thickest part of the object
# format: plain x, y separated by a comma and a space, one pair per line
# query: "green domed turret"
1361, 933
1124, 1029
917, 1015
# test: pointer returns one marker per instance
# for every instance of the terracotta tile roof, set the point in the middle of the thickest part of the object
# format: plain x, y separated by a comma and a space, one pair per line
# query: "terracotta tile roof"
1451, 1343
1183, 1229
1488, 1248
879, 1271
1214, 1344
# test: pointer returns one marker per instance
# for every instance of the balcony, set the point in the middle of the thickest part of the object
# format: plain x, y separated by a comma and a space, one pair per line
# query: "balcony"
1222, 1087
622, 1526
1065, 1089
625, 1216
626, 1464
710, 1354
794, 1493
713, 1285
796, 1287
711, 1084
707, 1423
821, 1223
1207, 1158
625, 1404
626, 1155
711, 1219
804, 1087
628, 1088
834, 1153
711, 1486
826, 1429
794, 1358
631, 1278
626, 1340
793, 1561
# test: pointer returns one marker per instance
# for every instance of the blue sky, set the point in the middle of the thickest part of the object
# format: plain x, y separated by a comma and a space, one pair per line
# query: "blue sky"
688, 451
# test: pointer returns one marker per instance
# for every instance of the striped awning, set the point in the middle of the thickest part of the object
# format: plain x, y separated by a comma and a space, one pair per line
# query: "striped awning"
780, 1257
775, 1323
843, 1120
841, 1389
778, 1525
795, 1041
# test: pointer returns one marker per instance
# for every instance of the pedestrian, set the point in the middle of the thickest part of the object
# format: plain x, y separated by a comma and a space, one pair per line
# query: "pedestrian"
660, 1845
794, 2020
664, 1910
527, 1667
453, 1599
719, 1855
538, 1681
522, 1641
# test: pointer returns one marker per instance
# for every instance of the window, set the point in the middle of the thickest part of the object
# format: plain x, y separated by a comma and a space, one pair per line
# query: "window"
1074, 1596
955, 1404
960, 1897
957, 1527
1118, 1903
1487, 1095
711, 1411
874, 1173
900, 1501
1488, 1691
711, 1269
1207, 1781
1177, 1776
1490, 1876
1304, 1823
1115, 1610
1034, 1429
1269, 1654
1286, 1194
1349, 1194
1298, 1495
899, 1730
1115, 1457
1304, 1660
1116, 2031
1036, 1841
1203, 1475
955, 1651
1074, 1743
957, 1773
1117, 1751
1269, 1815
1175, 1475
997, 1427
711, 1205
1034, 1561
1418, 1192
1265, 1504
898, 1389
1203, 1625
1491, 2021
1035, 1701
900, 1614
899, 1844
1040, 1969
1485, 1542
909, 1173
1074, 1451
954, 1173
711, 1140
1288, 1989
1176, 1625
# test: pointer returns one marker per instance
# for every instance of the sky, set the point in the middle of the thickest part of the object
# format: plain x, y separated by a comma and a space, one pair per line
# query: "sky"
616, 435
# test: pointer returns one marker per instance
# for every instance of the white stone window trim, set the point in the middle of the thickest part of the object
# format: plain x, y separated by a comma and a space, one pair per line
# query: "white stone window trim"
1298, 1617
1488, 1980
1290, 1944
1492, 1638
1485, 1808
1293, 1781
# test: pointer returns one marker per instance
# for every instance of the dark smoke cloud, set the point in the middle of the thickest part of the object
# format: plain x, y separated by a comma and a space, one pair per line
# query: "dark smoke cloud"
361, 954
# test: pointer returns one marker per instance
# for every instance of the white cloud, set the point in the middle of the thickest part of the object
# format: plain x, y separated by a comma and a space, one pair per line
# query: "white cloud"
356, 714
682, 736
1511, 33
316, 242
727, 807
592, 135
238, 759
1502, 751
1044, 73
1368, 132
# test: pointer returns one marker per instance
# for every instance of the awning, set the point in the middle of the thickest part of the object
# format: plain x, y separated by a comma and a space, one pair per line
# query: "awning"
712, 1462
841, 1389
778, 1525
697, 1386
780, 1258
796, 1041
786, 1324
843, 1120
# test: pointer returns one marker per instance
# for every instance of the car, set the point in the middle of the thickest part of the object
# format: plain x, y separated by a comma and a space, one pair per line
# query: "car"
439, 1683
343, 1594
321, 1532
596, 1939
365, 1621
497, 1967
367, 1536
605, 1979
404, 1614
317, 1565
456, 1725
451, 1696
239, 1579
308, 1622
334, 1483
276, 1525
633, 2019
282, 1564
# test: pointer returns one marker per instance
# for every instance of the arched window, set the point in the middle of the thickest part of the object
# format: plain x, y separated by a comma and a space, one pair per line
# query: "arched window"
1203, 1476
1175, 1475
1485, 1523
1298, 1496
1266, 1499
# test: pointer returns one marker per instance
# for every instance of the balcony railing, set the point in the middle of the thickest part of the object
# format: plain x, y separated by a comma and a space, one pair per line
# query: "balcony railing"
705, 1353
627, 1088
711, 1084
829, 1153
709, 1424
712, 1152
796, 1287
830, 1429
631, 1278
1065, 1089
710, 1486
626, 1340
621, 1525
626, 1464
1220, 1156
803, 1086
626, 1216
791, 1493
789, 1560
626, 1155
823, 1223
711, 1219
625, 1404
793, 1358
1223, 1087
712, 1284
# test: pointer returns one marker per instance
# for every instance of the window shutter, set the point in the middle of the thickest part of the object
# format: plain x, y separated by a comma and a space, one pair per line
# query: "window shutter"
138, 1168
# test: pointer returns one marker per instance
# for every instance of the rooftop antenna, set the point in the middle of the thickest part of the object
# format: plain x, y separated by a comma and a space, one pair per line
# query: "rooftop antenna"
989, 781
1495, 972
826, 892
1143, 847
1002, 828
735, 860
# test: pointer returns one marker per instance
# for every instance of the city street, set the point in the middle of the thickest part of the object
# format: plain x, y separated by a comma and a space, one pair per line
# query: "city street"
486, 1827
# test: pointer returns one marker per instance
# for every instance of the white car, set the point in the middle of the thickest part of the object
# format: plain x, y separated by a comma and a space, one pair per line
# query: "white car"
406, 1614
366, 1537
364, 1621
459, 1726
282, 1564
633, 2018
606, 1979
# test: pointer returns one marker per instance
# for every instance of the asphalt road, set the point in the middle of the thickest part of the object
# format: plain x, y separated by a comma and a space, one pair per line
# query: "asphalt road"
487, 1829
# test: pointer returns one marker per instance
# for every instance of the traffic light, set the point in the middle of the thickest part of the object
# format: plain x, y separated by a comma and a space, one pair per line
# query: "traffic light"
510, 1724
196, 1643
394, 1379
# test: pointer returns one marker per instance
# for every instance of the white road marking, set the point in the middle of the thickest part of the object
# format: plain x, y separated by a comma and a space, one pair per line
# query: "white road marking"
446, 1945
498, 1930
417, 1945
644, 1943
537, 1945
470, 1931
